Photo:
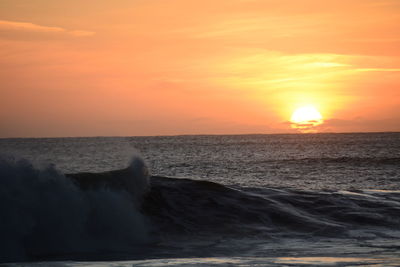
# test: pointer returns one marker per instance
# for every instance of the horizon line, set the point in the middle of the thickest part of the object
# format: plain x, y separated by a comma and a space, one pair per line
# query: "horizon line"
182, 135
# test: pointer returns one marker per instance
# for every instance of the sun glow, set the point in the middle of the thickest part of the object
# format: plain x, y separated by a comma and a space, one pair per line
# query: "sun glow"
306, 118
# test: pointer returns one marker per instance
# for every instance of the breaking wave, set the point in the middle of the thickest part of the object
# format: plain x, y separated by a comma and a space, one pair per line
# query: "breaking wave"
46, 214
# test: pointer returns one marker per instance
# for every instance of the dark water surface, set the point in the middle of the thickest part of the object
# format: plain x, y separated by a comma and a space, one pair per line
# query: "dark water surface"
302, 161
312, 199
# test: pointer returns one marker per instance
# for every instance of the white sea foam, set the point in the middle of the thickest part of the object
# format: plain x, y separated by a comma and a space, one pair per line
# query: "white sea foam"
138, 181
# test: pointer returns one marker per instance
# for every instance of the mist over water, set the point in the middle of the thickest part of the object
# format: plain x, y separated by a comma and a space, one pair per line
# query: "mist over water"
228, 196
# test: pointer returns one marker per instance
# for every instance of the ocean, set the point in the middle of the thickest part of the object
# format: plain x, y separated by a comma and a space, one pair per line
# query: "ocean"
221, 200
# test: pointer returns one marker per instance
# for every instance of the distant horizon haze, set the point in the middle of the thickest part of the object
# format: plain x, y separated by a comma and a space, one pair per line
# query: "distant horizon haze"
196, 135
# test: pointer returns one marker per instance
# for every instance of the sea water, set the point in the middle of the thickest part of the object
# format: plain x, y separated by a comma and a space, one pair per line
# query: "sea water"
266, 200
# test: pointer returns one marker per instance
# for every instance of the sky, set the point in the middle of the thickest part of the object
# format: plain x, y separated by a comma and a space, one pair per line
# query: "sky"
171, 67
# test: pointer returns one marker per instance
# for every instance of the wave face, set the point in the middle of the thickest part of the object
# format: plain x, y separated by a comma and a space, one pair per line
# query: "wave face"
183, 205
45, 214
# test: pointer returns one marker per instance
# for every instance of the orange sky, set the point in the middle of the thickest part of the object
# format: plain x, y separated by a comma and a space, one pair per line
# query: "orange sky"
161, 67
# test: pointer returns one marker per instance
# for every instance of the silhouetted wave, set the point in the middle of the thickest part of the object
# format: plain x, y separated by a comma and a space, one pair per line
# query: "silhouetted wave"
47, 214
191, 205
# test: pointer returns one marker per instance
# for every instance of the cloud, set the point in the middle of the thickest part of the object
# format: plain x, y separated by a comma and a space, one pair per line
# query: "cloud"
378, 69
15, 28
359, 125
27, 26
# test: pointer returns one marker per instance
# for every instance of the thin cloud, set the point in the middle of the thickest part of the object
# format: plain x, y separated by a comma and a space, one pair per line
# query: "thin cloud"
378, 69
14, 26
359, 125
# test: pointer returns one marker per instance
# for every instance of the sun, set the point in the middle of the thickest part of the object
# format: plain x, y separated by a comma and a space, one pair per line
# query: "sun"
305, 118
